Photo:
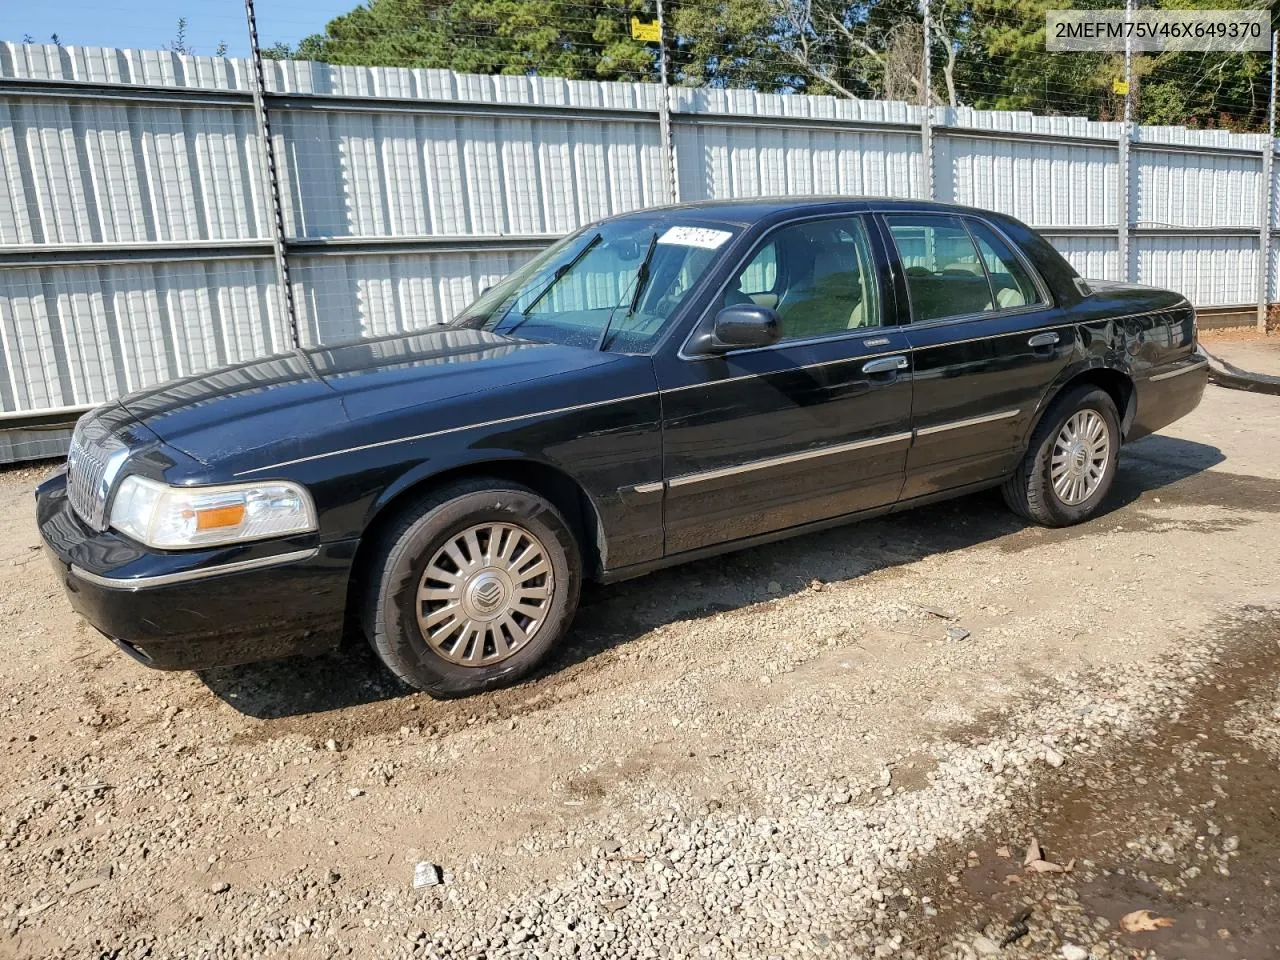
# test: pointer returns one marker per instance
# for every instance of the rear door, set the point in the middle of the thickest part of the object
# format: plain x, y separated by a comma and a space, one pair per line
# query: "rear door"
813, 427
986, 342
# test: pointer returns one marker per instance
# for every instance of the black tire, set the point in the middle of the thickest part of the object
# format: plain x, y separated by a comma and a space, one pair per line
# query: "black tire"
424, 529
1030, 492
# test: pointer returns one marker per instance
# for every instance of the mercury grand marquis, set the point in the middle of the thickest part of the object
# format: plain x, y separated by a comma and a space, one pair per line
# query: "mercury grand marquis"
655, 388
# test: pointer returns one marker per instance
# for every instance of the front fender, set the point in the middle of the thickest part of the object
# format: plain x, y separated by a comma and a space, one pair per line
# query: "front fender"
584, 460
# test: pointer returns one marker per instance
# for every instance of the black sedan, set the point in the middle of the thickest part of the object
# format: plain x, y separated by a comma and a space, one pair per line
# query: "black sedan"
655, 388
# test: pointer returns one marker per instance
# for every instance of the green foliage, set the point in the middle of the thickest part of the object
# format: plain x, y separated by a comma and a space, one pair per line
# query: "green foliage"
179, 42
309, 48
985, 53
564, 38
730, 43
1006, 67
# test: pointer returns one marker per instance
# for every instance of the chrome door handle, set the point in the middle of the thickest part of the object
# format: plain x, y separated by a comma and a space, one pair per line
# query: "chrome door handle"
1043, 339
885, 364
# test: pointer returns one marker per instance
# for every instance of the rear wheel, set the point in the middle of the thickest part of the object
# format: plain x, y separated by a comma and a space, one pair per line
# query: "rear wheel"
1071, 460
475, 583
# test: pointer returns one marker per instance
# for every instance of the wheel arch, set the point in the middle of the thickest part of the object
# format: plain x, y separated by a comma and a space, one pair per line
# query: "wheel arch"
1117, 383
560, 488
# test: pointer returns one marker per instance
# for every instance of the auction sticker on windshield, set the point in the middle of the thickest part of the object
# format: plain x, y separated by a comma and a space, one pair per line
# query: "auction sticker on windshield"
695, 237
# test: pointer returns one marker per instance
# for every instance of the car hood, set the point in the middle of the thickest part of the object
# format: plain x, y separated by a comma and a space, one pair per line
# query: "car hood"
288, 398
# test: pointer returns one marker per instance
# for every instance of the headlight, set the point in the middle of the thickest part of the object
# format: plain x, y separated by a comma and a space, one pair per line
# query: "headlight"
173, 518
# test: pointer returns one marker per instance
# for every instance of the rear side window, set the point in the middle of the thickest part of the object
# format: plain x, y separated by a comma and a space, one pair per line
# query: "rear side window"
1010, 282
949, 275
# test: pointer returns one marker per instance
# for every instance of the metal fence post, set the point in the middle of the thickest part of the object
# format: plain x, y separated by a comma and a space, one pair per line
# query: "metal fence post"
1126, 134
670, 174
279, 242
1268, 199
926, 112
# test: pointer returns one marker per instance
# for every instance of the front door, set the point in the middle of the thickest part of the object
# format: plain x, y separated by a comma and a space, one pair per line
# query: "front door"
986, 342
813, 427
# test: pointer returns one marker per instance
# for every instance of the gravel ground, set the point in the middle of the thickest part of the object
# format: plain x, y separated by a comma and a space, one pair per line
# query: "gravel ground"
787, 752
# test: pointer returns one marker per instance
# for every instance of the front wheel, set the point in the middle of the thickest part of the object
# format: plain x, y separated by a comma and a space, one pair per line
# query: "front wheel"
474, 585
1071, 460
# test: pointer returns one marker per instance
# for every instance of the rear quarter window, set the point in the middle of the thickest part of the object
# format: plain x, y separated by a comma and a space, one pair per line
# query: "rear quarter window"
945, 276
957, 267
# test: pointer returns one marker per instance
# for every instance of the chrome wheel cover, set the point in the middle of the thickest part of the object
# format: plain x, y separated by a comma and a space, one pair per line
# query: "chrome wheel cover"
1080, 454
485, 594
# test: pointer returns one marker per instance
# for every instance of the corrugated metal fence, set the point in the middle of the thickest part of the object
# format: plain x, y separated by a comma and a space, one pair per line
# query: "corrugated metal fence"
135, 237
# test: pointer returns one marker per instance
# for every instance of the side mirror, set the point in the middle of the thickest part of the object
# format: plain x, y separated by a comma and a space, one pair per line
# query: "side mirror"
744, 325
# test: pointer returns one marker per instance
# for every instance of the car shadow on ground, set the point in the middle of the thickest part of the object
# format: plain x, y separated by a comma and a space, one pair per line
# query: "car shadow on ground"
1167, 468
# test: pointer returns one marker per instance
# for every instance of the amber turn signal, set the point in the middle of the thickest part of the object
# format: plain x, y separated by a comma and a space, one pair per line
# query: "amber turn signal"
215, 518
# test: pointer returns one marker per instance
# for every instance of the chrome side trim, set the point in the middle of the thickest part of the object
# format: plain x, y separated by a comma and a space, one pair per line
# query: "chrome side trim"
446, 430
1066, 321
688, 478
185, 576
1177, 373
647, 488
972, 317
970, 422
757, 376
856, 333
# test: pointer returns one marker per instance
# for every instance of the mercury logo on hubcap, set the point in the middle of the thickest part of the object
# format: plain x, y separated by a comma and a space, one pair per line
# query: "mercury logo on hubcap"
487, 594
1081, 453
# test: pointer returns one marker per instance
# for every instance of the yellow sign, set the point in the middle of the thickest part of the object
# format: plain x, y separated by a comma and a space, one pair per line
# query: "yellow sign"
1121, 87
645, 32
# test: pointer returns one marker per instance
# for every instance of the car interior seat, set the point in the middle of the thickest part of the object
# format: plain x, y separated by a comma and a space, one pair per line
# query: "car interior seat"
1008, 297
828, 294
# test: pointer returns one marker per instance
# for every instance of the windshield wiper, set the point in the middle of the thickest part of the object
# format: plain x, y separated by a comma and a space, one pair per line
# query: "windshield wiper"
559, 274
642, 278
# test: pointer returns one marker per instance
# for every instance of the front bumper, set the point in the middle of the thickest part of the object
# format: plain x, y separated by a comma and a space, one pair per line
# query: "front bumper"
202, 608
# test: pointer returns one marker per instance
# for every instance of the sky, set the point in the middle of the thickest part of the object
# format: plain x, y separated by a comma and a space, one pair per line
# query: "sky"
151, 24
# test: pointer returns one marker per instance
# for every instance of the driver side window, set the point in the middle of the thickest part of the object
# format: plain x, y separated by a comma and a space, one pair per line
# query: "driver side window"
819, 276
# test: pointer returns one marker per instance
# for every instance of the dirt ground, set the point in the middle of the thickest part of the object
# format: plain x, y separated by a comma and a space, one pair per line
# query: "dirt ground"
1245, 348
778, 753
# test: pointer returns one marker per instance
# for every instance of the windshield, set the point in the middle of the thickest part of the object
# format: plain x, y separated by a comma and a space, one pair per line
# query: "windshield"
613, 286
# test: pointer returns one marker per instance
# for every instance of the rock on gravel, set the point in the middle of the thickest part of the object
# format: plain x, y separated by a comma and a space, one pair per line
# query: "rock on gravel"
425, 875
985, 947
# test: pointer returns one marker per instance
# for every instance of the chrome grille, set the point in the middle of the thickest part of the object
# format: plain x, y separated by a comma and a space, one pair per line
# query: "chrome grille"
92, 463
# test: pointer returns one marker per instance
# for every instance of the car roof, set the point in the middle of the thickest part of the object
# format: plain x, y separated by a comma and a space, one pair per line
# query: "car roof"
753, 210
